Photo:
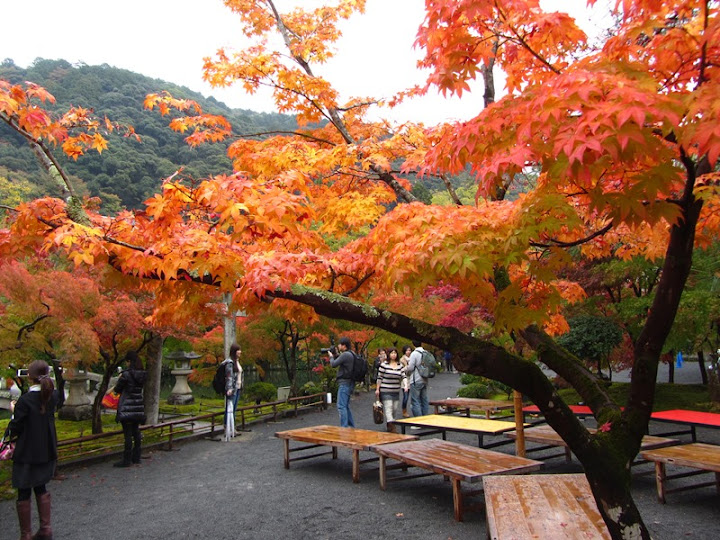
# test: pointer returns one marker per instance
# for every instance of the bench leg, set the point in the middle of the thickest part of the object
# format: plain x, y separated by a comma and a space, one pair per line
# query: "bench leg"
457, 499
568, 455
717, 482
660, 479
383, 472
356, 466
334, 452
287, 452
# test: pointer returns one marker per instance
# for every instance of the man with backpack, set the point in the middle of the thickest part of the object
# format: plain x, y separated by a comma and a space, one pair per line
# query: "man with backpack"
345, 362
421, 367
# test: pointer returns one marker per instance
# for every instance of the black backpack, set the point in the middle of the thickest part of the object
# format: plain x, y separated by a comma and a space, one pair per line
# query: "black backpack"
218, 382
359, 369
428, 365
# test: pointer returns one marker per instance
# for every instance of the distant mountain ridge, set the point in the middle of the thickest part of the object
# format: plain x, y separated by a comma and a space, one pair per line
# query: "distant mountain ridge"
128, 172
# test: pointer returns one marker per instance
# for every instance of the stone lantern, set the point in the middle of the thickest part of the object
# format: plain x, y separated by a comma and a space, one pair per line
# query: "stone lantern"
78, 404
181, 393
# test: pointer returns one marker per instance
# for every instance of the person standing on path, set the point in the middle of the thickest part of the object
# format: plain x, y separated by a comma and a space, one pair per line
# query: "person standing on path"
131, 408
405, 360
419, 402
33, 423
346, 384
233, 387
391, 376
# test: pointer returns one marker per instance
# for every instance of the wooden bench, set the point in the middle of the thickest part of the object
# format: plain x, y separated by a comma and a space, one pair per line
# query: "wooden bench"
542, 506
550, 438
459, 462
705, 457
487, 406
442, 423
337, 437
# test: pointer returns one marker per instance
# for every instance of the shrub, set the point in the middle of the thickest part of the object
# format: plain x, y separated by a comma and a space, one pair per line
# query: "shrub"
261, 391
466, 378
475, 390
310, 388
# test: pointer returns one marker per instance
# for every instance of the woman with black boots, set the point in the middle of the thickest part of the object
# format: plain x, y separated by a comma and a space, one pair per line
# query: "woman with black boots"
33, 423
131, 407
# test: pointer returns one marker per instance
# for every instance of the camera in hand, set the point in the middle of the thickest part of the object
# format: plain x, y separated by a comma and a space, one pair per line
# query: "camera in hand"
326, 350
22, 372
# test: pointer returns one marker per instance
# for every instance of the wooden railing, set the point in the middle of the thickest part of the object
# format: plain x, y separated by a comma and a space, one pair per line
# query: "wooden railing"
165, 434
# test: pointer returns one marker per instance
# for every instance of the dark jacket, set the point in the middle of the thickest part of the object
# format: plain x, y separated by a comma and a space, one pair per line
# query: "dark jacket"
344, 363
37, 439
131, 407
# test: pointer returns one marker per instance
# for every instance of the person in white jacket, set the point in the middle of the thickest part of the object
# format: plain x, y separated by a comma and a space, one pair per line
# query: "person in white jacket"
419, 402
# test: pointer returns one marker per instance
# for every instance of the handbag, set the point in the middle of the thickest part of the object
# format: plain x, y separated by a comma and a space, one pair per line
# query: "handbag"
110, 400
378, 413
7, 449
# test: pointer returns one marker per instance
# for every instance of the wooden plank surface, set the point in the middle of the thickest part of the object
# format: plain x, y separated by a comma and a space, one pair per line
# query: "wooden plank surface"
459, 461
547, 435
542, 506
458, 423
356, 439
696, 455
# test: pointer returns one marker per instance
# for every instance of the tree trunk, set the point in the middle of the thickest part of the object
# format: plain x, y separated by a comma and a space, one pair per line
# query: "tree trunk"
97, 407
701, 366
671, 367
151, 394
610, 484
229, 326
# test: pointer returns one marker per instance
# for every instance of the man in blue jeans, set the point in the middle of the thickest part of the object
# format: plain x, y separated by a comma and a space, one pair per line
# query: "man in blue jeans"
346, 384
419, 402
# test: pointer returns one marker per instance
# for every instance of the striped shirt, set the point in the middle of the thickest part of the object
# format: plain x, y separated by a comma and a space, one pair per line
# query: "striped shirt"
390, 378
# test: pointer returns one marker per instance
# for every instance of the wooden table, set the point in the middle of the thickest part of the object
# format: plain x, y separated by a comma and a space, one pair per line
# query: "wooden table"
335, 437
459, 462
550, 438
692, 419
542, 506
488, 406
442, 423
705, 457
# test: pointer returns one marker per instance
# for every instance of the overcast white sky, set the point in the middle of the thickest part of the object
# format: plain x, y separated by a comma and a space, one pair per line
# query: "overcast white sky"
168, 39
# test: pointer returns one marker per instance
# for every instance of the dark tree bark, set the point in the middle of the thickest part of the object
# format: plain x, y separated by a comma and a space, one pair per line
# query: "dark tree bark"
151, 391
701, 366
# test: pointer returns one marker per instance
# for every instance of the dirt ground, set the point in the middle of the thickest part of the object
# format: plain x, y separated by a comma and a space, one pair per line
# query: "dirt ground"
240, 490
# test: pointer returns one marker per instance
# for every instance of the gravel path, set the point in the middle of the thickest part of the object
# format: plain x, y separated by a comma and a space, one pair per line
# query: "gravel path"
240, 490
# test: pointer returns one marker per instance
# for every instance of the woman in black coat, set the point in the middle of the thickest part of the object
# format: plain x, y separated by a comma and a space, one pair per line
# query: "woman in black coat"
131, 408
33, 423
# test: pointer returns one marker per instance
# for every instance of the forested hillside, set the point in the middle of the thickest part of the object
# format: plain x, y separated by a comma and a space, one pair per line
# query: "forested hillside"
128, 171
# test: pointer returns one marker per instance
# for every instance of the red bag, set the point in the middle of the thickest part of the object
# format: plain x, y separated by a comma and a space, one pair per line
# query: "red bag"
7, 448
110, 400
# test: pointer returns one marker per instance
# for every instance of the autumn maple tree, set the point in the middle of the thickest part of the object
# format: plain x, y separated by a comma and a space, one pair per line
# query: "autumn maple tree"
623, 132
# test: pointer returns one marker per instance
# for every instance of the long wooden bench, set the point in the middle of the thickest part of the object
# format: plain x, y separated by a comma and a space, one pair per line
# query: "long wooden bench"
549, 438
542, 507
442, 423
487, 406
459, 462
336, 437
703, 457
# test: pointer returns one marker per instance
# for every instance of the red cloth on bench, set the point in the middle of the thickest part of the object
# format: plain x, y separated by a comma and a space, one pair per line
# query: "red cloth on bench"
577, 409
688, 417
